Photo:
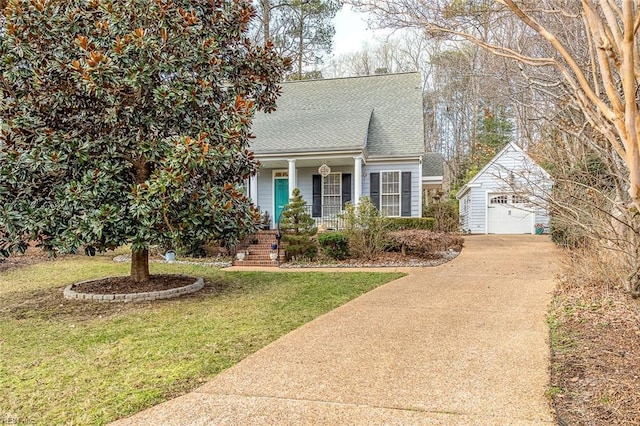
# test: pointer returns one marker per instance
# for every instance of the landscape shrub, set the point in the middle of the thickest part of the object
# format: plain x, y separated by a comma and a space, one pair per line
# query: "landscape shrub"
334, 244
300, 247
425, 243
298, 227
365, 227
444, 213
402, 223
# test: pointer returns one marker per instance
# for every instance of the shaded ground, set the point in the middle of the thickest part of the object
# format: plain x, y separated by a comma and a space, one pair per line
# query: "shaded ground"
78, 362
595, 356
30, 257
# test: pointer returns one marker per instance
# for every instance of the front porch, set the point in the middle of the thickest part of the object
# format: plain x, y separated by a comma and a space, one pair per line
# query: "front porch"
328, 182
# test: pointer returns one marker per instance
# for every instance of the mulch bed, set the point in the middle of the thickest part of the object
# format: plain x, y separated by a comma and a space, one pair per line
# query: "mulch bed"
596, 368
385, 259
124, 285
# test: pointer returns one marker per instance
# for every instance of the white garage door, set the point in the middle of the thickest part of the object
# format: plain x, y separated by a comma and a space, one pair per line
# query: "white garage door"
508, 214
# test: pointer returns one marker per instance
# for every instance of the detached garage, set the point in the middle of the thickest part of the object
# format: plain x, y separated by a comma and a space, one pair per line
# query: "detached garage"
507, 196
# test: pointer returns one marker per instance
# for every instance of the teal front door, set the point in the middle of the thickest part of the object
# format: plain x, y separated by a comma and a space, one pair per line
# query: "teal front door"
281, 197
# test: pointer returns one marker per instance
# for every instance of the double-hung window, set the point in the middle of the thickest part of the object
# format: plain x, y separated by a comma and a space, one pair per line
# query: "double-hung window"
331, 194
390, 193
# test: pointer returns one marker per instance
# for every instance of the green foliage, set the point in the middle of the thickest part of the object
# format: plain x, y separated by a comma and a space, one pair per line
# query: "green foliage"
365, 227
295, 219
299, 247
307, 30
128, 122
401, 223
424, 243
334, 244
495, 131
298, 226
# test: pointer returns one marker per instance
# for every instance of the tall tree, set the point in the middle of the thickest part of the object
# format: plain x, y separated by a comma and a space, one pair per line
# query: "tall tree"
128, 123
299, 29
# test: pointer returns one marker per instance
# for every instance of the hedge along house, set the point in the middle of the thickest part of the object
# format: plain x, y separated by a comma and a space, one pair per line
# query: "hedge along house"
507, 196
338, 140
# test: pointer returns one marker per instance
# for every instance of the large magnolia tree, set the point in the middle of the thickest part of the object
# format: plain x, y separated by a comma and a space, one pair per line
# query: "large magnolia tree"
127, 122
593, 46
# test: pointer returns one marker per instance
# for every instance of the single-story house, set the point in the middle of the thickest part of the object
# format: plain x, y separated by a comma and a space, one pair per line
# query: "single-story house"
507, 196
338, 140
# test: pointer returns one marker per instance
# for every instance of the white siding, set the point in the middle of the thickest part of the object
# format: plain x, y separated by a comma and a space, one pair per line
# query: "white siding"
414, 168
265, 191
465, 212
509, 173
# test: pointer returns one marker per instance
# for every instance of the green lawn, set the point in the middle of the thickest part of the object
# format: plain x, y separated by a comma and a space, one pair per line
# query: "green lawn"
74, 362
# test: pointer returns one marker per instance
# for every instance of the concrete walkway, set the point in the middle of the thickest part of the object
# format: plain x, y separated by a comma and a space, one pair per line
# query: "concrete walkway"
465, 343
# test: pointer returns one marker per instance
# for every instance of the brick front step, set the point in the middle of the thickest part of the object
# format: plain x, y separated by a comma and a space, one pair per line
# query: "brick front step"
259, 252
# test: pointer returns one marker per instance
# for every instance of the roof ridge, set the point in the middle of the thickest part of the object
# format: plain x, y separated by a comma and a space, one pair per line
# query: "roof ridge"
350, 77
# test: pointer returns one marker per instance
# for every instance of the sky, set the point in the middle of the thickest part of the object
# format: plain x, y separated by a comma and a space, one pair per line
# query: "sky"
352, 31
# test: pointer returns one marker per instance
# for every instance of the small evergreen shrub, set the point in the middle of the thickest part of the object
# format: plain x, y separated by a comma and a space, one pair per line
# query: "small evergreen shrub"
334, 244
300, 247
298, 227
402, 223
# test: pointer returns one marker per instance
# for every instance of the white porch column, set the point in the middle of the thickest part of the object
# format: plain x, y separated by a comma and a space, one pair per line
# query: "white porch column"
357, 180
292, 176
253, 189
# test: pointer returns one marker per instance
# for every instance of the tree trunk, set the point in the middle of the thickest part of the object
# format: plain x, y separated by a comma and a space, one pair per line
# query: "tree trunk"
140, 266
300, 41
266, 20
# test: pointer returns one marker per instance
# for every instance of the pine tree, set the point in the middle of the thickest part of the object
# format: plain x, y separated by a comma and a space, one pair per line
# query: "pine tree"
298, 227
295, 219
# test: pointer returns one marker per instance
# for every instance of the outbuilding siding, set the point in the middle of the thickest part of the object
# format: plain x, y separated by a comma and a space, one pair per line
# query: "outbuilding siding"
510, 172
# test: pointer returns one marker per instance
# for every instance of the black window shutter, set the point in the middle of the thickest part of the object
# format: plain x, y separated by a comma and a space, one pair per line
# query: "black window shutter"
316, 209
374, 191
405, 203
346, 188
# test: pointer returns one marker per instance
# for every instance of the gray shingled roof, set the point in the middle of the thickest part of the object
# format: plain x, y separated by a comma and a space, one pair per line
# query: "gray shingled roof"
432, 164
383, 111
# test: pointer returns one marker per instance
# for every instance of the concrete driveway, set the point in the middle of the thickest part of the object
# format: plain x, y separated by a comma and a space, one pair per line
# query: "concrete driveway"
465, 343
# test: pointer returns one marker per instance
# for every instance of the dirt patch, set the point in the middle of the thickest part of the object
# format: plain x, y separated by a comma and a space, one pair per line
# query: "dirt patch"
30, 257
125, 285
595, 379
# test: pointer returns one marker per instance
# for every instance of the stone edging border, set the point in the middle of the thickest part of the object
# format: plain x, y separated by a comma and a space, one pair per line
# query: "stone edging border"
71, 294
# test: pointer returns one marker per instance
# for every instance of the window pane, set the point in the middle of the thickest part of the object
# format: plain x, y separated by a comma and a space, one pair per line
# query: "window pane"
390, 193
331, 194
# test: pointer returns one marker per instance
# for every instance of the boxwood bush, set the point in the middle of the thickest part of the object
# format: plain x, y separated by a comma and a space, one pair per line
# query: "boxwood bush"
407, 223
334, 244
